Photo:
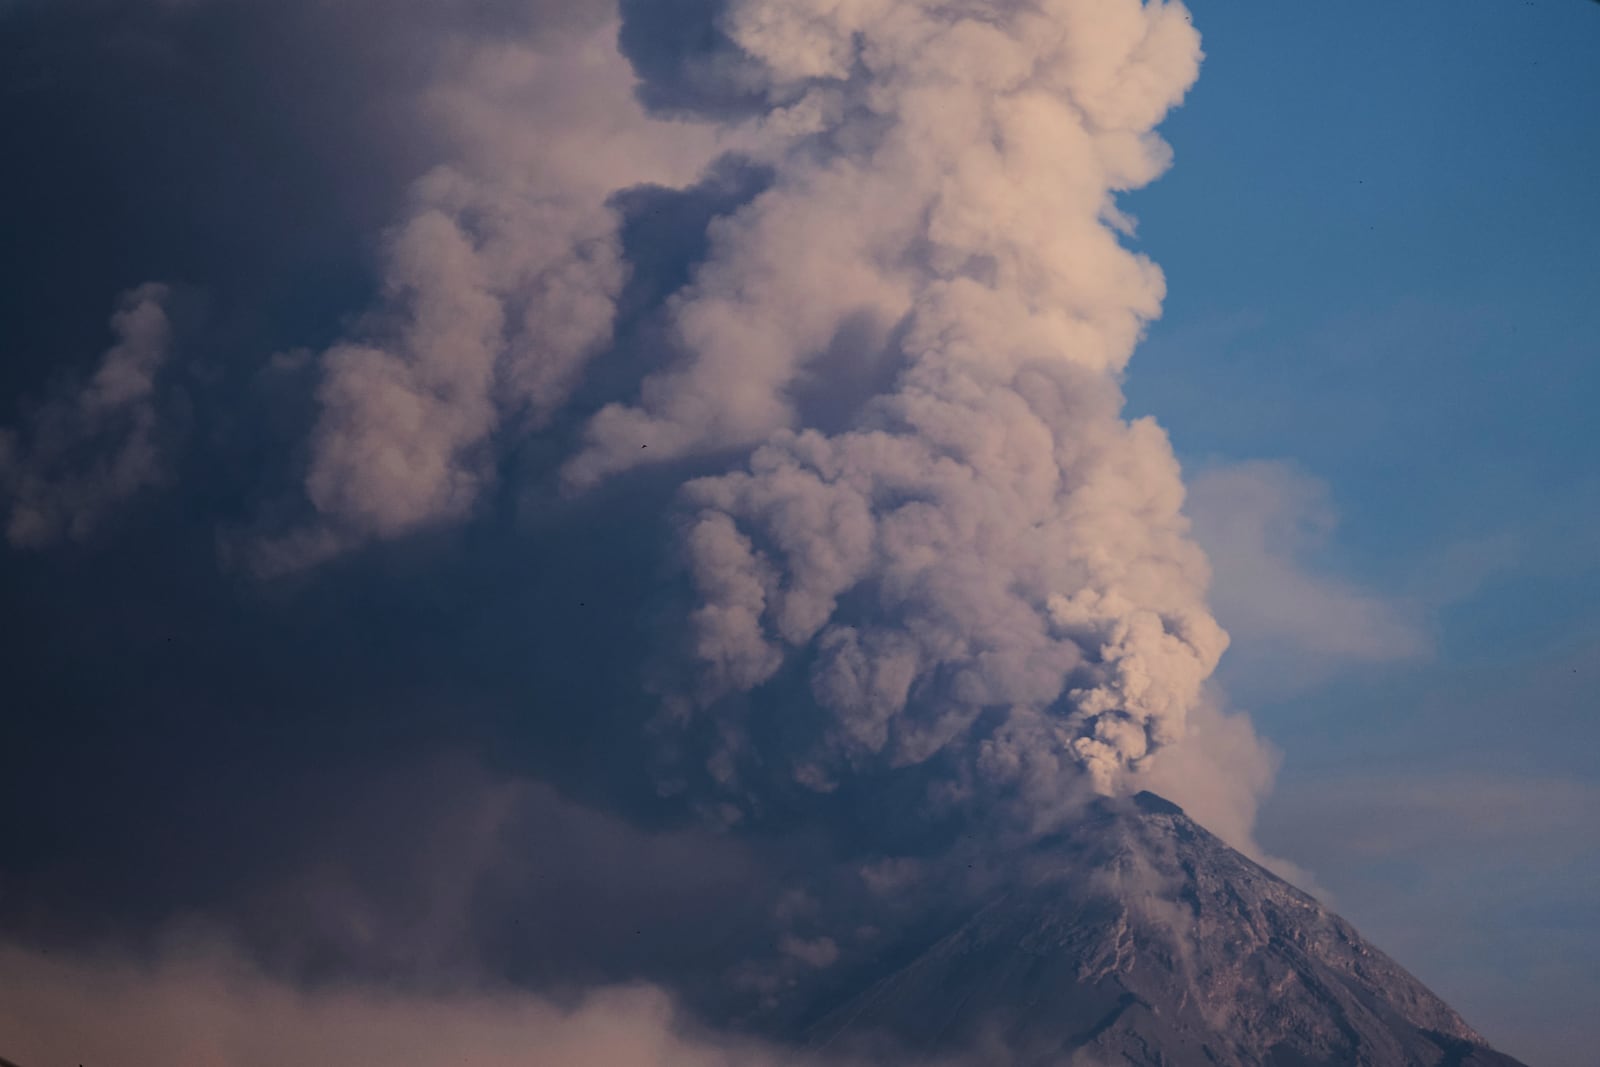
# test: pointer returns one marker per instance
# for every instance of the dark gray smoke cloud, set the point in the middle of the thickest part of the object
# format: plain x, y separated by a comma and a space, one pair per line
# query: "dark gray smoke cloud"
687, 408
977, 557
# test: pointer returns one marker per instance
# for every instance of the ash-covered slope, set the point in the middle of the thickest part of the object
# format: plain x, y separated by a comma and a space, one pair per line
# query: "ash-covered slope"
1143, 940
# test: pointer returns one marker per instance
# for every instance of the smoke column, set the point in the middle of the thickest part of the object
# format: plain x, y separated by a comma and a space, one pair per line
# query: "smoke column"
986, 536
499, 280
912, 340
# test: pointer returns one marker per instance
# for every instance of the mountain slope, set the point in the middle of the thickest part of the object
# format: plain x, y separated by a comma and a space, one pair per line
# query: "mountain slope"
1143, 940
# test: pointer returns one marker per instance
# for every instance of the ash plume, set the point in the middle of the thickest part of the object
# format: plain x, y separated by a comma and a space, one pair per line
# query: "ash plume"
498, 283
909, 341
981, 559
707, 417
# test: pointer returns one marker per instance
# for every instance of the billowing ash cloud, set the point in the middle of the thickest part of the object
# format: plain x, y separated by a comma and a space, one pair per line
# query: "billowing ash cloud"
498, 284
81, 455
980, 557
791, 334
914, 334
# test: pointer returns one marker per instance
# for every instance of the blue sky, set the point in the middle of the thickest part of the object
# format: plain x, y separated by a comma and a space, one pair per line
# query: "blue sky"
1380, 237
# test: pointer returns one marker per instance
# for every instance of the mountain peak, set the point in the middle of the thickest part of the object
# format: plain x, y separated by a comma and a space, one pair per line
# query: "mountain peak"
1152, 804
1140, 938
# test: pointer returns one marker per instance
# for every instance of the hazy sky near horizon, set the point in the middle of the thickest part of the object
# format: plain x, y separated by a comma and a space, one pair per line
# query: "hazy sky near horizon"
1376, 362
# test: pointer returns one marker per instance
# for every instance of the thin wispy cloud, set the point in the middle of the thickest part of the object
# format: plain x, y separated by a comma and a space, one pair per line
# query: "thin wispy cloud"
82, 453
1295, 620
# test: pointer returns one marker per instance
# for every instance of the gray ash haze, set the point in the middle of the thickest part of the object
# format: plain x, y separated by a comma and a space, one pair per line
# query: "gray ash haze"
570, 532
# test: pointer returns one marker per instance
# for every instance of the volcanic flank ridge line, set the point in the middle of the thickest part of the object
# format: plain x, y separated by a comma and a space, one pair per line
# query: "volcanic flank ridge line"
1137, 937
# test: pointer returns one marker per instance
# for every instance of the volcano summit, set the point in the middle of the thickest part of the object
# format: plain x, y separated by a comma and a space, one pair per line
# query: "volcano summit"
1141, 939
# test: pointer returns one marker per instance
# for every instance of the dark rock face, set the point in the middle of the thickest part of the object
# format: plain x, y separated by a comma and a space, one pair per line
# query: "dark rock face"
1142, 940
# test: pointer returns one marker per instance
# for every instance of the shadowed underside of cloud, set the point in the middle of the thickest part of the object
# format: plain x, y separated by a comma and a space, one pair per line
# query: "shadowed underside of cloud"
441, 914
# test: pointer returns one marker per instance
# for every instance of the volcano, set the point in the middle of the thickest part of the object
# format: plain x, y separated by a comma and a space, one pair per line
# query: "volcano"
1140, 939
